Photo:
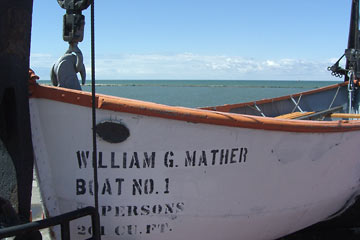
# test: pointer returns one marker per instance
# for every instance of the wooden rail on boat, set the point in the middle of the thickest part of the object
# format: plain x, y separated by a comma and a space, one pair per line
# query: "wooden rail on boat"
306, 115
345, 115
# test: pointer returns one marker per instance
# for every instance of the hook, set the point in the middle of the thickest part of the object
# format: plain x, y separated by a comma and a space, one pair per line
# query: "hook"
64, 71
80, 67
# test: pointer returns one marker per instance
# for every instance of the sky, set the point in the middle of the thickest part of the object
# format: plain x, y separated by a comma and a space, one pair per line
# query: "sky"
200, 39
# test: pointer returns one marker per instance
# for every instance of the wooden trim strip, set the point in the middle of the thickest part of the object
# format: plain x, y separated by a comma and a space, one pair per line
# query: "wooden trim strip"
344, 115
189, 114
294, 115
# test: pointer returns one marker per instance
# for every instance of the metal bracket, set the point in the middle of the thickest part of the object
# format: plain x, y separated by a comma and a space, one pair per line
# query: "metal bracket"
296, 103
352, 55
259, 110
336, 70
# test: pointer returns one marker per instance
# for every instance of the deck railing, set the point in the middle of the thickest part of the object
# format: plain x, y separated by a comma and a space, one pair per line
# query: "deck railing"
62, 220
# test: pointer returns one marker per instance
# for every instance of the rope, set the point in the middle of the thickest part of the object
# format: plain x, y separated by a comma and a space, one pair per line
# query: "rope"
96, 185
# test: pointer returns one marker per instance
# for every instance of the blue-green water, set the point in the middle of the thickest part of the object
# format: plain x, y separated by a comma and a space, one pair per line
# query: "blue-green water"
200, 93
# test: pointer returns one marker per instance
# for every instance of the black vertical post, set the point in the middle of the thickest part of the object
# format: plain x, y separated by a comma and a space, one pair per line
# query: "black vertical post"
96, 220
353, 40
15, 133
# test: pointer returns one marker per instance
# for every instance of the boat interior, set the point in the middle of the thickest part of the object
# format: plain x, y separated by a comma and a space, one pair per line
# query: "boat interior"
328, 103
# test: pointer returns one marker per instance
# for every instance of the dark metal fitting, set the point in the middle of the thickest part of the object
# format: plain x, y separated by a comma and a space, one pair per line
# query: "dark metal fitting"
352, 54
74, 5
73, 28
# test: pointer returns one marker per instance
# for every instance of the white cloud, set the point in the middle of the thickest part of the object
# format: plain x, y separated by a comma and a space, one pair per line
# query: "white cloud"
41, 60
195, 66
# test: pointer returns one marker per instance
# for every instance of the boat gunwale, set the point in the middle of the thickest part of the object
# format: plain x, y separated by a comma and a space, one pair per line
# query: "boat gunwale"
196, 115
229, 107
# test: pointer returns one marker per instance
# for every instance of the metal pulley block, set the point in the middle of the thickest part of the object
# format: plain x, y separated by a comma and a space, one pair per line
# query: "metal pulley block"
73, 28
74, 5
